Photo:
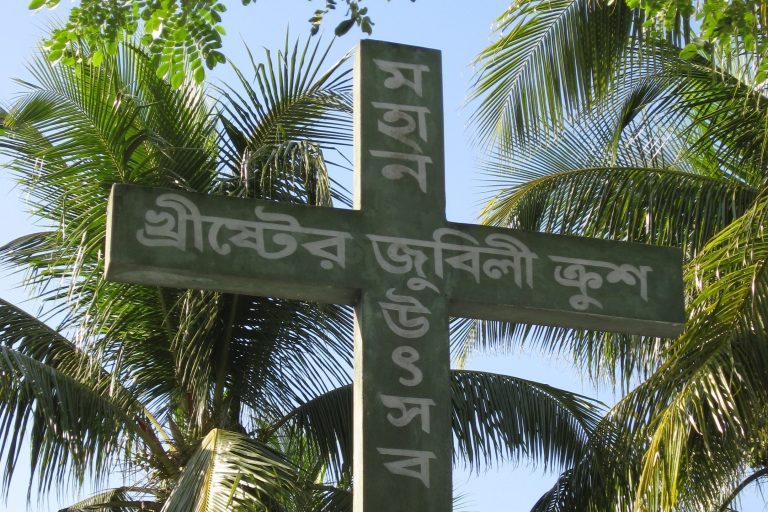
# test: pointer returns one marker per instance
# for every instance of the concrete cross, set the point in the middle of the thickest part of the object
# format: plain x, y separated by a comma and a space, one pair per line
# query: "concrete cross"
404, 268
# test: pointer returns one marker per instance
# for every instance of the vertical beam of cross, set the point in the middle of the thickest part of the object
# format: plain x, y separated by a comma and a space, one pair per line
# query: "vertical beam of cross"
402, 399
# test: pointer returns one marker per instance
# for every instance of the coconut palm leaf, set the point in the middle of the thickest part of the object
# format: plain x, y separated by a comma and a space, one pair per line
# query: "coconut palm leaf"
188, 361
120, 499
80, 418
697, 425
657, 206
292, 89
601, 481
575, 182
231, 470
281, 126
624, 171
296, 171
606, 478
632, 204
495, 418
670, 152
712, 378
54, 405
548, 61
77, 131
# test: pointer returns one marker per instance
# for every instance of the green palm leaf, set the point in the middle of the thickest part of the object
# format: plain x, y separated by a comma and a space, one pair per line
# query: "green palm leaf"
657, 206
658, 150
548, 62
231, 470
495, 418
120, 499
277, 131
80, 417
716, 373
176, 363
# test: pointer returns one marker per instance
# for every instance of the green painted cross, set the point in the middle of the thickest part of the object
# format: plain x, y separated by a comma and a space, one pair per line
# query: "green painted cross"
404, 267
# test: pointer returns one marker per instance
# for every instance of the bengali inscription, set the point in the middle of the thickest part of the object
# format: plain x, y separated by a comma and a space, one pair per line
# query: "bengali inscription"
501, 255
410, 463
178, 223
404, 285
592, 274
409, 408
404, 315
406, 124
407, 318
397, 72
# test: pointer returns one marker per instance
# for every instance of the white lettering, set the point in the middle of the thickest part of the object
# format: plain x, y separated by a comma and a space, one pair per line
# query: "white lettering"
405, 357
397, 171
574, 273
412, 459
398, 123
409, 409
169, 228
404, 305
397, 79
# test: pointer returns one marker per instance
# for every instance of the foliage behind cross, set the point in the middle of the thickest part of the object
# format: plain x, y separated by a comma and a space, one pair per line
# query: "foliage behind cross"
403, 266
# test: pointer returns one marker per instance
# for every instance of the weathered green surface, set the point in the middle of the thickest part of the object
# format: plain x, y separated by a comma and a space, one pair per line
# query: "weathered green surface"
403, 266
619, 305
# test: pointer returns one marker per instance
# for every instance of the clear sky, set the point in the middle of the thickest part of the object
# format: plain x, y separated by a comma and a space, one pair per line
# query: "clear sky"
460, 30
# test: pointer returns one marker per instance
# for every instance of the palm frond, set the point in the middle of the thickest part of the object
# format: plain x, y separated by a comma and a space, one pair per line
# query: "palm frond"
601, 481
705, 393
657, 206
231, 470
495, 418
80, 418
276, 132
548, 63
76, 131
726, 115
120, 499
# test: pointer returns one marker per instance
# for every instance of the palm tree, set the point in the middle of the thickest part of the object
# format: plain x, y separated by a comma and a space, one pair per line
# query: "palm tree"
596, 127
202, 400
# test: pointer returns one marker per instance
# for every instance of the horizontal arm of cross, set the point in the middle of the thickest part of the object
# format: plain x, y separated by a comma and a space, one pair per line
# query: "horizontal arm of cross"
256, 247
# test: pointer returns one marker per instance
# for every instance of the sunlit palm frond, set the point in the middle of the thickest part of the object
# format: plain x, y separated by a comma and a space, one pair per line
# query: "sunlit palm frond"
277, 131
120, 499
705, 393
160, 338
295, 98
656, 206
671, 152
495, 418
606, 478
76, 131
80, 420
167, 366
231, 470
334, 500
548, 63
727, 117
301, 351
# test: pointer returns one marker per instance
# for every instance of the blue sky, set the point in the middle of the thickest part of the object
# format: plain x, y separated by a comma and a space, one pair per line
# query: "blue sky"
459, 30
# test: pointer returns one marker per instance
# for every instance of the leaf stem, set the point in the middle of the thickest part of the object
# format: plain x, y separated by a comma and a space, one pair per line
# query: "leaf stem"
221, 370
